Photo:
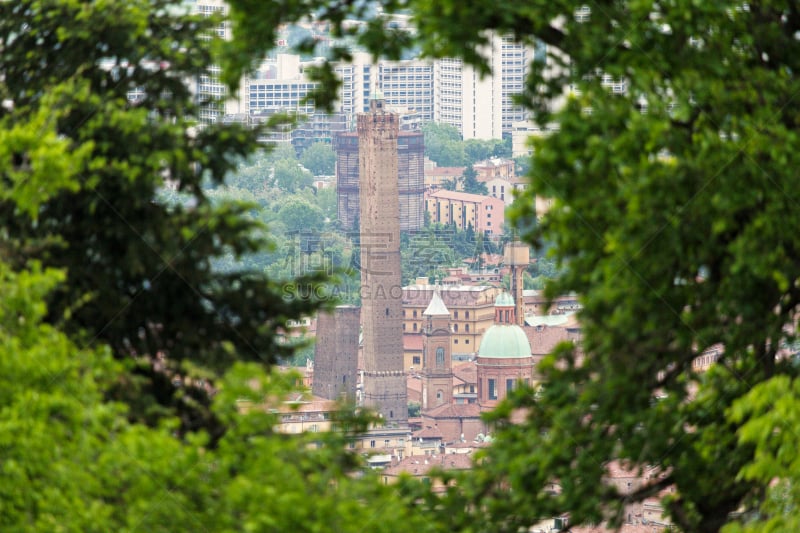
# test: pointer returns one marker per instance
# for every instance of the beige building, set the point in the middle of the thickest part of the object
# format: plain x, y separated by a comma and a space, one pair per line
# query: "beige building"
504, 188
436, 177
471, 310
302, 413
495, 168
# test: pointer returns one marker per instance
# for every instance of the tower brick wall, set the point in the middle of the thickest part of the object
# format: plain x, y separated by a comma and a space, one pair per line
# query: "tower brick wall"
381, 289
336, 353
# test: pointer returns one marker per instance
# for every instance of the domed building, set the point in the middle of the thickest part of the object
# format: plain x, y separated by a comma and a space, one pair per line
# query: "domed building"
504, 358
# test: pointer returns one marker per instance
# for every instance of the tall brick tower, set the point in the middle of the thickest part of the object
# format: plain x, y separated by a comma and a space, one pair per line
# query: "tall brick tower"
336, 354
381, 288
437, 370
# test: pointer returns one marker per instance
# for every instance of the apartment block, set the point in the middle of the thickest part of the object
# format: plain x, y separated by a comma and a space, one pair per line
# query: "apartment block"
484, 214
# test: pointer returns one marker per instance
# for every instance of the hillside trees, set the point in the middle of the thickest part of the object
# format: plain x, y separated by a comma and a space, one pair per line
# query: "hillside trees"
320, 159
674, 218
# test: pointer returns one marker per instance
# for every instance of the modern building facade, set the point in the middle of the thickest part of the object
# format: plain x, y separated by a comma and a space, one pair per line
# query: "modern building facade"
445, 90
210, 92
381, 296
483, 107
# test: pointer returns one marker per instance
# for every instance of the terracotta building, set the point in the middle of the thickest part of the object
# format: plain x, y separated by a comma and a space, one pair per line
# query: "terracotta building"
484, 214
504, 359
437, 371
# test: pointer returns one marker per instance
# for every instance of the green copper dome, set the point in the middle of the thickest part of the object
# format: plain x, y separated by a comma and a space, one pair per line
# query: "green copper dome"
504, 340
504, 300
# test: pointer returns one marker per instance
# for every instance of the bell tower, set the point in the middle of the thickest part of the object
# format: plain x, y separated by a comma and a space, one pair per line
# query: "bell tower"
437, 368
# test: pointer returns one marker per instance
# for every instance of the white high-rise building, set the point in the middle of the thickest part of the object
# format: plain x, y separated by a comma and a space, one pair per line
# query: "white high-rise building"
483, 108
208, 85
408, 86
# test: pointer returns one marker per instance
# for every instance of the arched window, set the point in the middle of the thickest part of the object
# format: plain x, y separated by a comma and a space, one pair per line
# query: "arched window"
440, 356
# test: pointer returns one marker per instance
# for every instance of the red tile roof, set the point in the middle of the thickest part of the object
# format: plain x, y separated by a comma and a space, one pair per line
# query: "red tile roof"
419, 465
461, 196
465, 372
453, 410
428, 432
544, 338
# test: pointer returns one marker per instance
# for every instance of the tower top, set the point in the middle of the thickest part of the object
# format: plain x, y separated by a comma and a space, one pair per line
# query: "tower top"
377, 102
436, 307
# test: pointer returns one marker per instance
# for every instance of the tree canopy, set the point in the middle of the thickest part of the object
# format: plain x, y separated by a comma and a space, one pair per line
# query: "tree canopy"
320, 159
139, 274
674, 187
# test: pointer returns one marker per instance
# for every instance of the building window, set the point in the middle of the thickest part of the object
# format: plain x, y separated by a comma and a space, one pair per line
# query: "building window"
466, 328
472, 388
455, 328
455, 341
466, 314
440, 356
509, 386
492, 391
404, 327
466, 341
386, 443
455, 314
415, 360
372, 444
415, 314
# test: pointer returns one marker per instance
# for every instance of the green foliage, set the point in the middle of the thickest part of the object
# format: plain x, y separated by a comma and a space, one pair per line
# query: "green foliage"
443, 145
73, 462
677, 226
297, 214
289, 177
320, 159
471, 183
139, 269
